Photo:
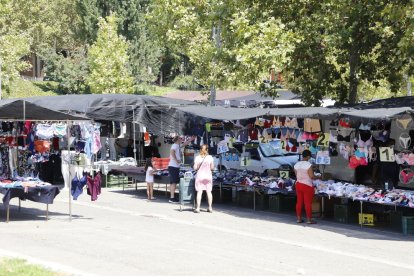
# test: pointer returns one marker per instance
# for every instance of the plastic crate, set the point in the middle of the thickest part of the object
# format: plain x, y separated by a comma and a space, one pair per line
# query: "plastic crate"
112, 180
341, 213
396, 221
408, 225
262, 202
316, 207
279, 203
245, 199
366, 219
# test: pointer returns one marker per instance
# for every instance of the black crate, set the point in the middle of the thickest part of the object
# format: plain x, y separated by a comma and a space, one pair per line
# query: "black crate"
262, 202
280, 203
345, 213
396, 221
245, 199
226, 195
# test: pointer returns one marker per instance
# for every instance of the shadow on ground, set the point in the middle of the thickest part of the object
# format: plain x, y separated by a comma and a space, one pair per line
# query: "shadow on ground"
32, 214
349, 230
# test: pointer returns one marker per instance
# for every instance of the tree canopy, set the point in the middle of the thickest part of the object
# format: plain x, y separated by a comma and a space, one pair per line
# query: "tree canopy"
345, 50
108, 60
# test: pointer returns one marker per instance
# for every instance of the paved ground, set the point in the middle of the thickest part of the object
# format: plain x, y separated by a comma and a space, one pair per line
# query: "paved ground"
123, 234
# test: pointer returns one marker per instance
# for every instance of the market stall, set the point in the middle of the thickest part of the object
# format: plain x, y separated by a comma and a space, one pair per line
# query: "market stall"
20, 151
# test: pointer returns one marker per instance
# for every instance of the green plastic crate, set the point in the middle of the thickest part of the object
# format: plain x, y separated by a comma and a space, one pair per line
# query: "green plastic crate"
112, 180
408, 225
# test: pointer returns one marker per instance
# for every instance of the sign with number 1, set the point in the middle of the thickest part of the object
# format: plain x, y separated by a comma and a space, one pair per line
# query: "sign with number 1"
386, 154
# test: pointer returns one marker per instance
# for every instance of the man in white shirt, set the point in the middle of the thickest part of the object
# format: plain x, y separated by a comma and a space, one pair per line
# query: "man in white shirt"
174, 164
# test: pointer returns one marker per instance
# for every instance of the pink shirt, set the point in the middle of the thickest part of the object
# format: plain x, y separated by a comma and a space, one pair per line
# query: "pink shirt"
302, 175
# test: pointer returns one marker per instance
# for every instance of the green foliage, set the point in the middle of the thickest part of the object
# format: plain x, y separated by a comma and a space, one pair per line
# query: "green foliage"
343, 44
144, 50
14, 45
107, 59
20, 88
247, 41
69, 71
187, 82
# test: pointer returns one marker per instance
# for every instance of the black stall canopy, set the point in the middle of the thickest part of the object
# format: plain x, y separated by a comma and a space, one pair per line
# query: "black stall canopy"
111, 107
165, 115
23, 110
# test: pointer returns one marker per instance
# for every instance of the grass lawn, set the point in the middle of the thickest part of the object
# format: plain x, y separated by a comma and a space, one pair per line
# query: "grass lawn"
17, 267
23, 89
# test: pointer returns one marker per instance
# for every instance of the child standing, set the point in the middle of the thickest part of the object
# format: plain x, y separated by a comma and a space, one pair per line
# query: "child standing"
149, 178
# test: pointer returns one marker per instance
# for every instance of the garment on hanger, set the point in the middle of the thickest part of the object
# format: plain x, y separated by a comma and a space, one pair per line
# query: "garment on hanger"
44, 131
405, 122
344, 134
363, 126
332, 149
404, 140
367, 143
312, 125
276, 122
77, 186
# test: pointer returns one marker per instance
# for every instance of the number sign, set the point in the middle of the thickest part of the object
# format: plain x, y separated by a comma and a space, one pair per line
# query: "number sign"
323, 140
386, 154
284, 174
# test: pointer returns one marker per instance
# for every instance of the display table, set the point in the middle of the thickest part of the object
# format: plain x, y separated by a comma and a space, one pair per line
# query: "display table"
138, 176
43, 194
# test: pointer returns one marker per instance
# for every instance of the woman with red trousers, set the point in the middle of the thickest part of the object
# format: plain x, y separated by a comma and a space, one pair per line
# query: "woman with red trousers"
304, 187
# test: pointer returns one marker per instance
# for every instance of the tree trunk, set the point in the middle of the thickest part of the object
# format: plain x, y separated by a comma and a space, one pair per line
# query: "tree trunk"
353, 78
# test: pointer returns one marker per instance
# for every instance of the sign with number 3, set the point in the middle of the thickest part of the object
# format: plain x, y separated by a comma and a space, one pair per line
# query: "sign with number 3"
386, 154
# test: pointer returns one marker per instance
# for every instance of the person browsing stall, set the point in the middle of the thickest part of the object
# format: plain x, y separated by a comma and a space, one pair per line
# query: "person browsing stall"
304, 187
174, 164
204, 165
149, 178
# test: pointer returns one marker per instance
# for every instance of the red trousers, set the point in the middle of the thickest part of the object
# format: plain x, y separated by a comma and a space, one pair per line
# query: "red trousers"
304, 194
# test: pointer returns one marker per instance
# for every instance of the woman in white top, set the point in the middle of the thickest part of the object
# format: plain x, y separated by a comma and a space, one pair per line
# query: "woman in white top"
149, 178
204, 164
304, 187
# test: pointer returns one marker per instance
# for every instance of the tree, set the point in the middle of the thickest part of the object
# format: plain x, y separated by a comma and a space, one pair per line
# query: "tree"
144, 50
14, 45
246, 42
345, 45
108, 59
69, 69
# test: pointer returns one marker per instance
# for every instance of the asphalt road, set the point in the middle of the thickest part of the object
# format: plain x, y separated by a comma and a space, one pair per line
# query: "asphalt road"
123, 234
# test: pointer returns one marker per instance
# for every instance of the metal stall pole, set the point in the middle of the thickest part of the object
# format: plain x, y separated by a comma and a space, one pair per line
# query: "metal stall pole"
69, 164
133, 130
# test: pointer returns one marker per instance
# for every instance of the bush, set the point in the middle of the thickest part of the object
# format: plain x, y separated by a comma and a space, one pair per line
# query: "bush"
186, 83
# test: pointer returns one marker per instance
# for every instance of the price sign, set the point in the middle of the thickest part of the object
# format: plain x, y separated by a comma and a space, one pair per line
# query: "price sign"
244, 161
284, 174
322, 158
386, 154
323, 140
222, 147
